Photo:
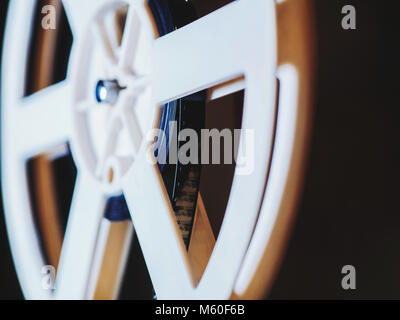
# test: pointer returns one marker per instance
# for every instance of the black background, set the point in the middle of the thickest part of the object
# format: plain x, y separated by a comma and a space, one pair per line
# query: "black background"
349, 213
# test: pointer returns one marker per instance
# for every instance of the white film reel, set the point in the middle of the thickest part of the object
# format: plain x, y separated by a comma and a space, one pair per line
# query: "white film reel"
255, 41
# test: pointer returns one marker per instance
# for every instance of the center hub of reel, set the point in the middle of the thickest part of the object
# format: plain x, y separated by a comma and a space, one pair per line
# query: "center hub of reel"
112, 105
107, 91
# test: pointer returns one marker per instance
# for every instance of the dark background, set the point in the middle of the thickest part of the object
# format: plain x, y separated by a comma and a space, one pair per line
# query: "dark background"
349, 213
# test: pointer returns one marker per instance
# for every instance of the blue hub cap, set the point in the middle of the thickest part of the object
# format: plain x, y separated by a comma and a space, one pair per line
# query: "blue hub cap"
107, 91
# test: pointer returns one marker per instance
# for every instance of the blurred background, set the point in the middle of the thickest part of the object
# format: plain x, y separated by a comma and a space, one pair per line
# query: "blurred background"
349, 212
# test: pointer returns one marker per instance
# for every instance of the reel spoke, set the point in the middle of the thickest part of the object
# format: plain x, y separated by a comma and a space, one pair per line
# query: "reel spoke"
157, 231
131, 123
80, 13
42, 120
107, 44
87, 210
221, 45
133, 35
